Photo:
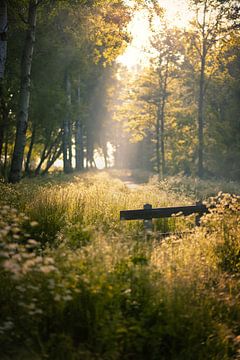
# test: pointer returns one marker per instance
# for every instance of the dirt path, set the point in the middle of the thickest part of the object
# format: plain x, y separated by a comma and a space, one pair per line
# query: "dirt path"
130, 183
132, 179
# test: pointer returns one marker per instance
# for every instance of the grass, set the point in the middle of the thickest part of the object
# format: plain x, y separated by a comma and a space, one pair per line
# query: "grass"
76, 283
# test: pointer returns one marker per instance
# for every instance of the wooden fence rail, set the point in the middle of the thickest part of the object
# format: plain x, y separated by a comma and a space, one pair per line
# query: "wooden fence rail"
148, 213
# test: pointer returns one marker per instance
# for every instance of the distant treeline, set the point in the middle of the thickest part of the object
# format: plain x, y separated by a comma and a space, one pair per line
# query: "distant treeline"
62, 96
182, 112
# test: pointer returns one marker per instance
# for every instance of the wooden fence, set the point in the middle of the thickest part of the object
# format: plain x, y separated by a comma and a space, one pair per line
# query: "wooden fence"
148, 213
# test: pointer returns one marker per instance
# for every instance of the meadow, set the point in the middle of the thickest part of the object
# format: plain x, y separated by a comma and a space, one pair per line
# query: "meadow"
76, 283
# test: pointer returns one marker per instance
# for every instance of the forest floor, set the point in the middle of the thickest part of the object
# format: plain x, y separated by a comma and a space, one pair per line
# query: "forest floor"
130, 178
77, 283
133, 179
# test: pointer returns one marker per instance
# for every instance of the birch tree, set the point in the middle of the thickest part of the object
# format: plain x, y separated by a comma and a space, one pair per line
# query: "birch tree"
24, 96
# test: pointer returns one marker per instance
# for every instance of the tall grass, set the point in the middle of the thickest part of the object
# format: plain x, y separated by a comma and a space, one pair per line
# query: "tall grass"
76, 283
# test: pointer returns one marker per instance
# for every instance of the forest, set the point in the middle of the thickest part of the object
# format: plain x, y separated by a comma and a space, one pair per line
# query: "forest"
108, 105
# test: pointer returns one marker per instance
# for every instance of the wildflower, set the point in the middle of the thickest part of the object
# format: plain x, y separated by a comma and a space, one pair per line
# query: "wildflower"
33, 242
21, 288
47, 269
237, 339
38, 312
17, 257
15, 230
48, 261
32, 306
7, 325
4, 232
38, 259
12, 246
57, 297
11, 266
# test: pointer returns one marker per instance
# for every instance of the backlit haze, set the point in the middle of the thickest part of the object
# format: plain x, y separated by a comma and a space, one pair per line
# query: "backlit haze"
176, 14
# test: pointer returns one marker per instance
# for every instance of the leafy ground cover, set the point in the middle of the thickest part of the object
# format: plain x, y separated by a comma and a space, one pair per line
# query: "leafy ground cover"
76, 283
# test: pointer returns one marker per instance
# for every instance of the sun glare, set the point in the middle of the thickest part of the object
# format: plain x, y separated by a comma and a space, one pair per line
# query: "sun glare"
99, 158
177, 12
138, 52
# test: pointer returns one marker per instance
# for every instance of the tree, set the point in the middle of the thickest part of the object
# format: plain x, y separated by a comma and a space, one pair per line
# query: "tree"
210, 24
166, 43
24, 96
70, 50
3, 36
222, 103
3, 55
79, 132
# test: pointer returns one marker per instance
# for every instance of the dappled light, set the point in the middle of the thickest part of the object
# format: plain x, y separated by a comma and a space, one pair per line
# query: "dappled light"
119, 180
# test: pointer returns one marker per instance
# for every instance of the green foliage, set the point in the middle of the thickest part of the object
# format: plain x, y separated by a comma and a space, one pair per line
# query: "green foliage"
224, 220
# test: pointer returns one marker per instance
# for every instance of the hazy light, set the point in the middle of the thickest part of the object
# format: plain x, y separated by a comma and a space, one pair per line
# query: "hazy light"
99, 158
138, 52
111, 151
177, 12
58, 164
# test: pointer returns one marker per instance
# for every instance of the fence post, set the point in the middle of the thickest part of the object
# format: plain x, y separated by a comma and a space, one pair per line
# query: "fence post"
199, 215
148, 225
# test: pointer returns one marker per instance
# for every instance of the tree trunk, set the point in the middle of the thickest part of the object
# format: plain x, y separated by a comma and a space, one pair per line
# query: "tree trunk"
46, 153
22, 117
53, 159
27, 165
70, 134
3, 36
42, 159
3, 55
158, 141
201, 117
105, 155
162, 139
5, 164
79, 135
3, 125
202, 94
67, 141
163, 85
90, 150
160, 144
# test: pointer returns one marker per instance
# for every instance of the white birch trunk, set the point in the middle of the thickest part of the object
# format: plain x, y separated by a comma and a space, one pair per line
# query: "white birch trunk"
22, 118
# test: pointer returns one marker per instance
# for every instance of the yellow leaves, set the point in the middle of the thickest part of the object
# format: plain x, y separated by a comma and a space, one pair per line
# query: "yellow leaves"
107, 30
136, 138
99, 42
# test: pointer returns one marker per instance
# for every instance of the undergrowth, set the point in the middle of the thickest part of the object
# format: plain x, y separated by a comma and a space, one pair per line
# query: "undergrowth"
76, 283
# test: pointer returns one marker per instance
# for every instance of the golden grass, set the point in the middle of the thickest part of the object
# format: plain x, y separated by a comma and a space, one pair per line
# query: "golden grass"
174, 297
